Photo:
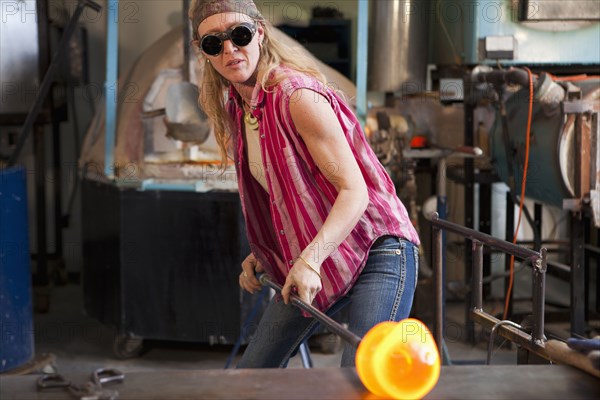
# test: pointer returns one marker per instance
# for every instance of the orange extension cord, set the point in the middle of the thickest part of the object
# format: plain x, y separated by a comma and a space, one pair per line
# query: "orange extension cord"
522, 199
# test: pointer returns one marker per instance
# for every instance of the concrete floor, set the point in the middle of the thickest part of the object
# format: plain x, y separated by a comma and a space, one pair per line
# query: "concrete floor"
80, 343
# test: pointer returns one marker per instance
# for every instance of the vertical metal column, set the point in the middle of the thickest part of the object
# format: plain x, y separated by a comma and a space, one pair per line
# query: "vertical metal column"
57, 187
438, 322
537, 239
111, 87
361, 60
442, 208
469, 169
577, 275
537, 218
539, 295
485, 225
586, 261
477, 286
41, 273
510, 231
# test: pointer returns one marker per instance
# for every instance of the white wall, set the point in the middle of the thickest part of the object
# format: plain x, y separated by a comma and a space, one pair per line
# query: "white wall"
141, 23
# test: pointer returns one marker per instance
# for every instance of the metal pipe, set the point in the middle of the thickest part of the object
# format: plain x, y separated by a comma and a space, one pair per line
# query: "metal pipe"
534, 342
442, 209
41, 276
470, 205
516, 336
438, 325
305, 355
486, 239
477, 275
559, 270
335, 327
539, 295
493, 334
441, 177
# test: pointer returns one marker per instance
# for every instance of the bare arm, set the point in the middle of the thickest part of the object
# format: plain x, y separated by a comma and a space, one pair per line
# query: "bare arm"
320, 129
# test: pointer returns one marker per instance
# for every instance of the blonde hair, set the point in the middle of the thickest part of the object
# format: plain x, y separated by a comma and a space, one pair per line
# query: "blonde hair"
273, 54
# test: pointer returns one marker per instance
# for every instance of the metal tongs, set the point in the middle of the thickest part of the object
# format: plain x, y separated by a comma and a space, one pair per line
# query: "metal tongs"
90, 390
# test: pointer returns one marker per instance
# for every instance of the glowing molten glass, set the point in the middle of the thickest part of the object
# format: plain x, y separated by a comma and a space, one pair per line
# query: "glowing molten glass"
398, 359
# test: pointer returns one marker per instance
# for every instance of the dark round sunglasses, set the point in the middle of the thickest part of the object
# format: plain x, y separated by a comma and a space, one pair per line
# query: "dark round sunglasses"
240, 35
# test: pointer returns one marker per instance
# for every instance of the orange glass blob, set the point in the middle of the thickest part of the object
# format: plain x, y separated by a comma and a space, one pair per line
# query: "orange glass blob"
367, 347
398, 360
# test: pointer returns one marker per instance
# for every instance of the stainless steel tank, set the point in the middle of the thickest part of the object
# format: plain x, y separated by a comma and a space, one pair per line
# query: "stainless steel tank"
398, 38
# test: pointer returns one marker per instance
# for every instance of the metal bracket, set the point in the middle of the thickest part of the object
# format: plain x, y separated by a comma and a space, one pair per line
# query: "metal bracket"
577, 107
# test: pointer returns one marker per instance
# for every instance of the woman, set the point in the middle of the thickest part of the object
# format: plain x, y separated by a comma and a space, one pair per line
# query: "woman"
321, 213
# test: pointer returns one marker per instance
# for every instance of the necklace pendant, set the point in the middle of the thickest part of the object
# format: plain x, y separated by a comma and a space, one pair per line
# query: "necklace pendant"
251, 121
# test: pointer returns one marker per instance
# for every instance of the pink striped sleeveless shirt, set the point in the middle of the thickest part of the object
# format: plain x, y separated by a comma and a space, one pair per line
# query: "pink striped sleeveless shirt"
282, 222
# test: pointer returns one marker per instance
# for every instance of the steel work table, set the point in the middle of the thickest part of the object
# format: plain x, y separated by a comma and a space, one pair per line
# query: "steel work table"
456, 382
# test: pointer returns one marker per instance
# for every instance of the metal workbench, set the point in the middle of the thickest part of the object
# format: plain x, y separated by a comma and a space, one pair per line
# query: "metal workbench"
456, 382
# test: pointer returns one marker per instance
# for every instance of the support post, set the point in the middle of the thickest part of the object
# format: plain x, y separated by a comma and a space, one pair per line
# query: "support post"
111, 88
438, 325
539, 295
477, 285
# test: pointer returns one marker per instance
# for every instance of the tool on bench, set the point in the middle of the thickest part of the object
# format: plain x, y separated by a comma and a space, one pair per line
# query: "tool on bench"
90, 390
394, 359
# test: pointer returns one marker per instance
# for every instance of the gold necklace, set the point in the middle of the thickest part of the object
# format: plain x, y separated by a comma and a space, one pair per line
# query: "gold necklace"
249, 119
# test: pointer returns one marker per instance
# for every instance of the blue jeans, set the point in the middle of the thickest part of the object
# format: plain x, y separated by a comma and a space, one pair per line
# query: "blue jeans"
383, 292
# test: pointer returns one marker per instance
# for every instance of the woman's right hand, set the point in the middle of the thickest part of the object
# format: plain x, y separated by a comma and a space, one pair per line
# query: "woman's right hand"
248, 281
303, 281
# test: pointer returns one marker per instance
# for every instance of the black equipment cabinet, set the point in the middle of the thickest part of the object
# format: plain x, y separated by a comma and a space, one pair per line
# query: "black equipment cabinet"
162, 264
328, 39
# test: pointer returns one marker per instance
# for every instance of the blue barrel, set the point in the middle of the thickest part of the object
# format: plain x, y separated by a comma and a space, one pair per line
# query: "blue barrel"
16, 317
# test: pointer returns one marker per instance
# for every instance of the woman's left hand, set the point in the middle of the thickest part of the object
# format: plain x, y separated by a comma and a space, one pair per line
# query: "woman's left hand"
306, 282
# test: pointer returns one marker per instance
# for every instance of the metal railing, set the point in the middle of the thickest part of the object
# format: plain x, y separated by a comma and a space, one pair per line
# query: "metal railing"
533, 342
